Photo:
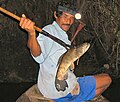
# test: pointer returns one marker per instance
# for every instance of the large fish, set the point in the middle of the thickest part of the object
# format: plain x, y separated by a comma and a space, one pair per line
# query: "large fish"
69, 58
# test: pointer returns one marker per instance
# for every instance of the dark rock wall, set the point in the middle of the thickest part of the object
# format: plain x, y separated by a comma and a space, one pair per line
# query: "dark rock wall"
102, 28
16, 63
102, 18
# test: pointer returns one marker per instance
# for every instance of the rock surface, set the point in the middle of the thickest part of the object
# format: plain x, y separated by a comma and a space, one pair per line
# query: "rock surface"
33, 95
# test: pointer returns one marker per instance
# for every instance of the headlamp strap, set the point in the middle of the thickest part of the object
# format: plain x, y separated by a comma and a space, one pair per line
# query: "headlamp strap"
80, 26
56, 39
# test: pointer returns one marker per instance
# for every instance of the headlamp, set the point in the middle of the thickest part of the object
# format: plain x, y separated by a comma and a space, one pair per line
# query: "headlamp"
77, 16
73, 12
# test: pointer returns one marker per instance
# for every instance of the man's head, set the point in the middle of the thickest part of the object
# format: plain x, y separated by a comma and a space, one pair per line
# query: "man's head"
65, 14
66, 6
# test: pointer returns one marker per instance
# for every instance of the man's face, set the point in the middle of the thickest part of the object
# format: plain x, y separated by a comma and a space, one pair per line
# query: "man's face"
65, 21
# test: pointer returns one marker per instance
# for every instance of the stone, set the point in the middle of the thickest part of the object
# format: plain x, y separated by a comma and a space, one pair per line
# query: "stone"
33, 95
99, 98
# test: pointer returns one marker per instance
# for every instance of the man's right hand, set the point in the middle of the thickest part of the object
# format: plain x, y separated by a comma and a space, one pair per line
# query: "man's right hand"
32, 44
27, 24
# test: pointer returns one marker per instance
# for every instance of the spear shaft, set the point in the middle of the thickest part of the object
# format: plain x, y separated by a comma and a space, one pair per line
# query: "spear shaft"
37, 29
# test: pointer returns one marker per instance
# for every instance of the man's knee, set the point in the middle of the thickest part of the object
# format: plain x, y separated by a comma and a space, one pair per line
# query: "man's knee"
109, 79
103, 80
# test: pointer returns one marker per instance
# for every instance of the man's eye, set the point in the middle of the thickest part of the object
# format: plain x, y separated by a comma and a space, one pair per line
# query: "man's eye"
65, 16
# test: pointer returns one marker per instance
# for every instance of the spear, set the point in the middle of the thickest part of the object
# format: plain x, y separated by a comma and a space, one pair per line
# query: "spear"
36, 28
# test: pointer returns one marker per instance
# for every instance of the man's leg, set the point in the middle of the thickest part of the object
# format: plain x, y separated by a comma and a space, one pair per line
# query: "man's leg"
103, 81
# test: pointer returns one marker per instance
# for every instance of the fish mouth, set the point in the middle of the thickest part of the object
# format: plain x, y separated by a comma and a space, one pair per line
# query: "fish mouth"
87, 47
82, 49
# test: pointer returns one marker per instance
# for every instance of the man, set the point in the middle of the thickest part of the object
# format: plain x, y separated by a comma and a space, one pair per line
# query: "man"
47, 52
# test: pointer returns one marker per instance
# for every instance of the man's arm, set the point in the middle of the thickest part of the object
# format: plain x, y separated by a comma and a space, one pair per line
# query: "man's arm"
32, 43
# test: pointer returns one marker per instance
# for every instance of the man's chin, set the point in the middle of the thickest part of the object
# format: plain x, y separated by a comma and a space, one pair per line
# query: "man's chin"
66, 29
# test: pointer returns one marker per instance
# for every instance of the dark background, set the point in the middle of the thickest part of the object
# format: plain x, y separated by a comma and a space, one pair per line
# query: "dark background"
18, 71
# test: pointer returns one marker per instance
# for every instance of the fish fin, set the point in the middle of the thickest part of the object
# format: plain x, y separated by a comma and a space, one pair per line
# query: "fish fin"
72, 66
59, 60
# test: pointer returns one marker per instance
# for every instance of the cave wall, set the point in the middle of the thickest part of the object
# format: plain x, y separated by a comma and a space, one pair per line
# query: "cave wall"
17, 64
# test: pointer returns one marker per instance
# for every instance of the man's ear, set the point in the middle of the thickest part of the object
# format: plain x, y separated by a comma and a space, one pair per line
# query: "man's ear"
55, 15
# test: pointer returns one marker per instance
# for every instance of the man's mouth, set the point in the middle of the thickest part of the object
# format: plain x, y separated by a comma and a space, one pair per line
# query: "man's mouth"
67, 25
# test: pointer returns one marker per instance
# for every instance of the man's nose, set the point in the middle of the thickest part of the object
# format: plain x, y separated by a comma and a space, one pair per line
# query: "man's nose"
68, 21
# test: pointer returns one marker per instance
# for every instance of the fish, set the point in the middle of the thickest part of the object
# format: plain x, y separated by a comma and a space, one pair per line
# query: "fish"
69, 57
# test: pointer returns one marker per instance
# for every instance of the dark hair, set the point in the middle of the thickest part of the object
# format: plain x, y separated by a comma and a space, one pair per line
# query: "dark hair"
67, 6
58, 13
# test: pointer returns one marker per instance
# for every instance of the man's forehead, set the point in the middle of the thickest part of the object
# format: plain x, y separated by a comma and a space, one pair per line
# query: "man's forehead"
66, 9
67, 14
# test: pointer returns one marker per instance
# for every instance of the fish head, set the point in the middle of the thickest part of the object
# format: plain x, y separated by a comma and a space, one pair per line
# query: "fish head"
81, 49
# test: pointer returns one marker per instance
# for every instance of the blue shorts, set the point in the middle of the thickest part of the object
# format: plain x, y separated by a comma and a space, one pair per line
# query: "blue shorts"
87, 91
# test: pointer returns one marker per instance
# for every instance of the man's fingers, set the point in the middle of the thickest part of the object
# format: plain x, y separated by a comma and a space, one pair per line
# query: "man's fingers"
22, 19
29, 24
23, 22
26, 24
